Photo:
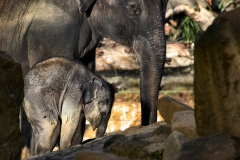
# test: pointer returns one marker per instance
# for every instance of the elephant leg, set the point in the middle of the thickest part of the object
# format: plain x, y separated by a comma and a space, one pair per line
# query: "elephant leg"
44, 126
56, 136
26, 133
79, 133
43, 137
68, 129
70, 120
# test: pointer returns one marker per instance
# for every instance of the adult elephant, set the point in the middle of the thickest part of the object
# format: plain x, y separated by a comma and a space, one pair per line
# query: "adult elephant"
32, 31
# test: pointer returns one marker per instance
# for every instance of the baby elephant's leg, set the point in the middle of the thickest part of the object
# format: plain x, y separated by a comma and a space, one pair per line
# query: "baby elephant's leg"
79, 133
70, 120
43, 127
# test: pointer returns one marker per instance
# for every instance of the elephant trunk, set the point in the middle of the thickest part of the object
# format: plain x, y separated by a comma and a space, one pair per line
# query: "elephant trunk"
150, 48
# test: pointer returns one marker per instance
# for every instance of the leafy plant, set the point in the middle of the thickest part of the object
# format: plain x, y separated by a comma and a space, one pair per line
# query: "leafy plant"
223, 5
186, 29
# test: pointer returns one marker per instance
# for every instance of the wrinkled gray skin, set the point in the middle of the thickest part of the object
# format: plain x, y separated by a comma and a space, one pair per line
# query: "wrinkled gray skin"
56, 92
35, 30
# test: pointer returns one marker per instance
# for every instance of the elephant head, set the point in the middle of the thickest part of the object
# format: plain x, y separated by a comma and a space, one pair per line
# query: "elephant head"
139, 24
97, 99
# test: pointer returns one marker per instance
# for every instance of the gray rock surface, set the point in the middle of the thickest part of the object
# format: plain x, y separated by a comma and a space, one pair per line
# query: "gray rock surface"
11, 96
142, 141
215, 147
89, 155
162, 129
184, 122
167, 106
173, 145
216, 78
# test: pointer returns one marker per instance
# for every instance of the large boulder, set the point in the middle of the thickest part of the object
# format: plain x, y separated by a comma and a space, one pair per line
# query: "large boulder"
216, 147
184, 122
142, 142
11, 96
90, 155
173, 145
167, 106
136, 145
216, 79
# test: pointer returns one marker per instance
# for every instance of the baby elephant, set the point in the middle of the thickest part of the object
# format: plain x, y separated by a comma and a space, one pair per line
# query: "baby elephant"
57, 91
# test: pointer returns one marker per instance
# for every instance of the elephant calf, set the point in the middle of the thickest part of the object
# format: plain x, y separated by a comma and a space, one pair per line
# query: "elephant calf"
57, 92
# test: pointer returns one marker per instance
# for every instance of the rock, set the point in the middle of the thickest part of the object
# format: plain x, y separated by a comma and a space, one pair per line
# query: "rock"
215, 147
197, 10
204, 17
174, 3
130, 147
182, 61
167, 106
173, 145
114, 56
137, 142
184, 122
162, 129
111, 56
88, 155
177, 51
138, 146
11, 96
216, 78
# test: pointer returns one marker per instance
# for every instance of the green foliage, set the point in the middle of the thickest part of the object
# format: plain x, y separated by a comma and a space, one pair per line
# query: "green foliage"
188, 30
223, 5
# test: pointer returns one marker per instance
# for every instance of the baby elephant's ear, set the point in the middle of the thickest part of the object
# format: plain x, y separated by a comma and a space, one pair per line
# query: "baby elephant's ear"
97, 83
96, 87
84, 5
87, 92
87, 85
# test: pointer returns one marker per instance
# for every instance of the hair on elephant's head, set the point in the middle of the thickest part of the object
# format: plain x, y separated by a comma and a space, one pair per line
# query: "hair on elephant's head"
97, 101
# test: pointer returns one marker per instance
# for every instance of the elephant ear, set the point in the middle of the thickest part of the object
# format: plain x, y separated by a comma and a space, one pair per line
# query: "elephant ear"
87, 93
84, 5
90, 90
97, 86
